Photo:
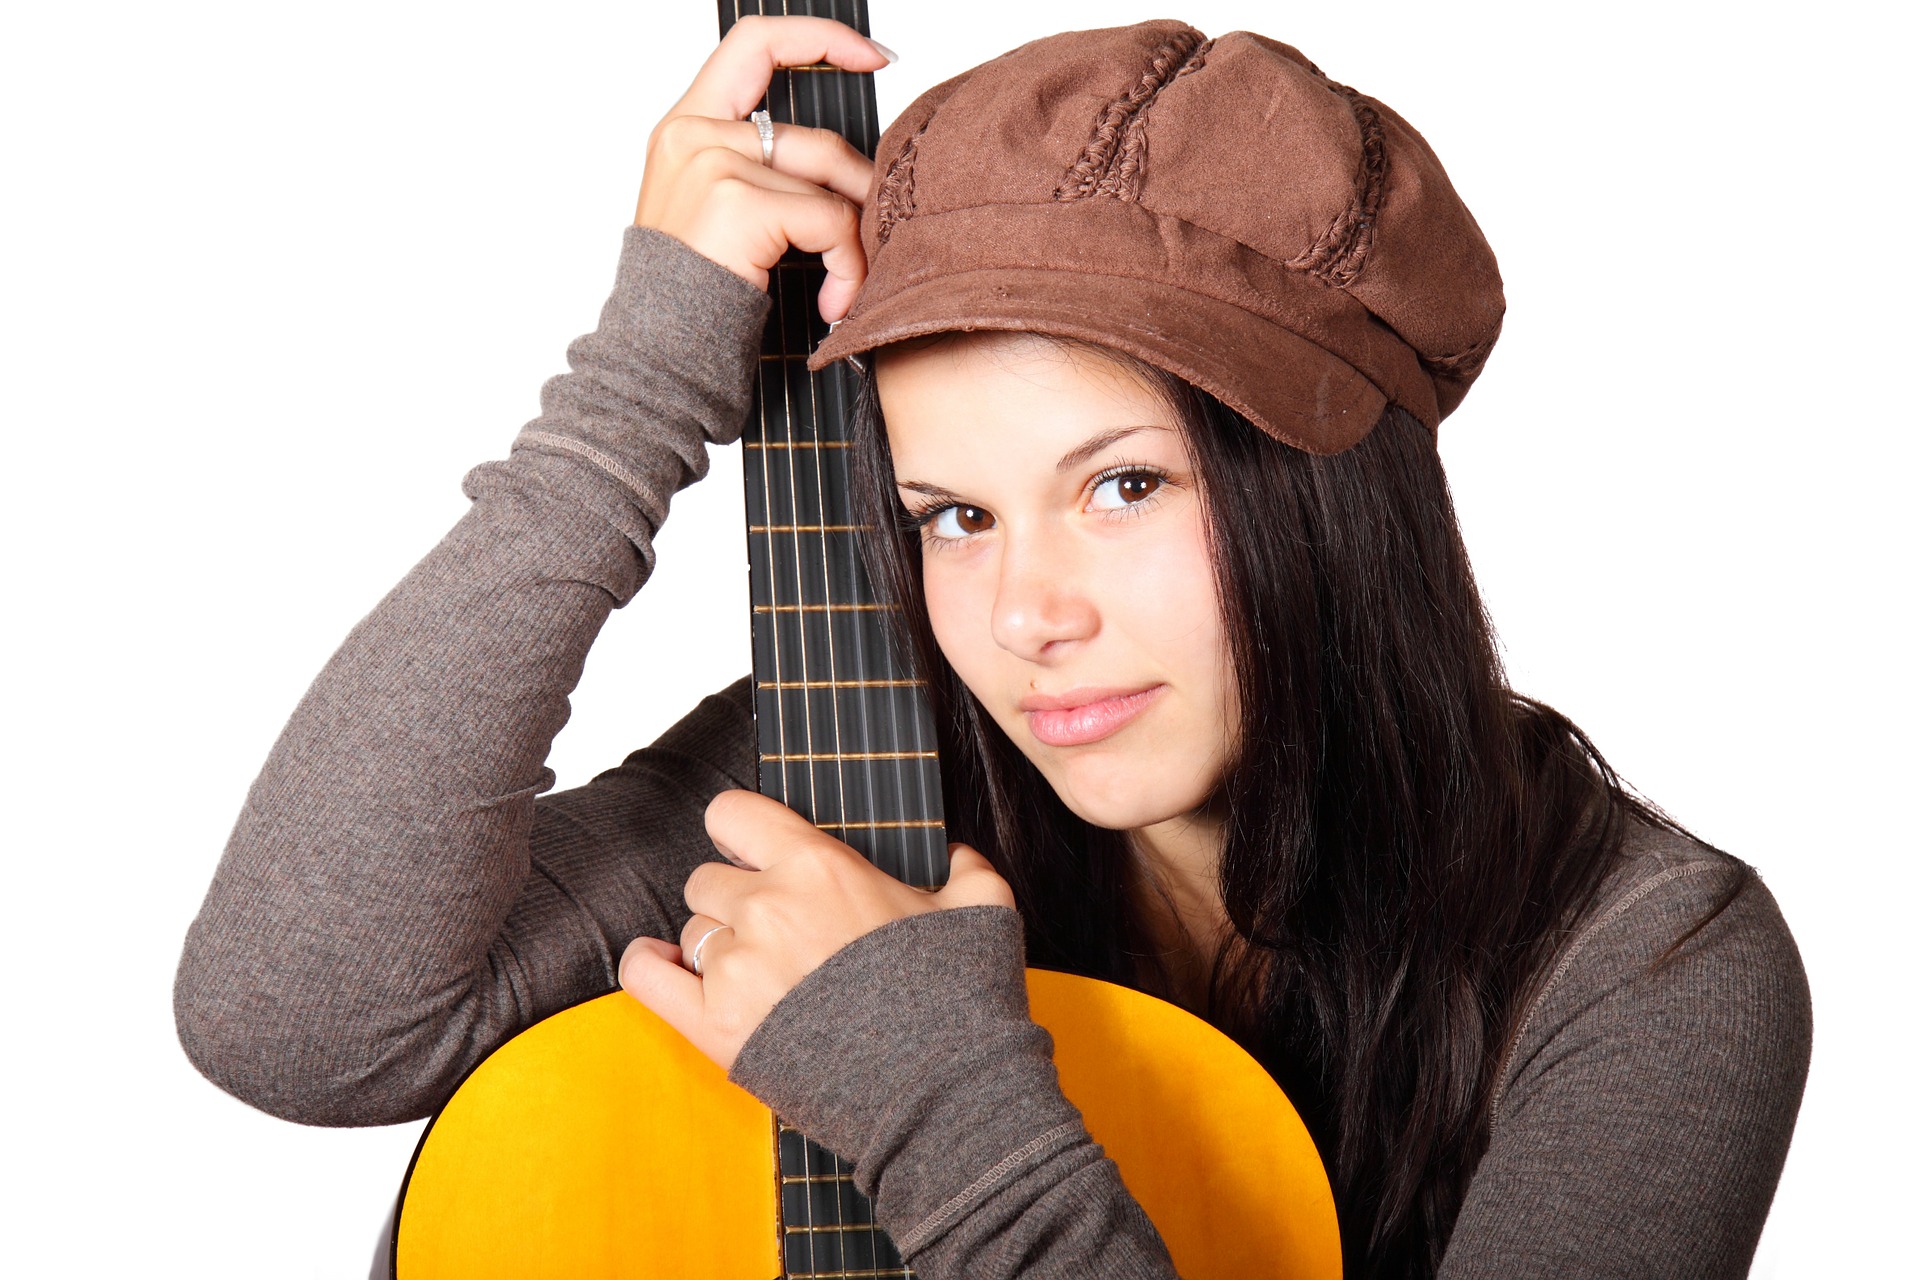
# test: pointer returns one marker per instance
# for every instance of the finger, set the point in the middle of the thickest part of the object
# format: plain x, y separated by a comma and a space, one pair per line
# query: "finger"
649, 976
973, 882
749, 214
705, 937
818, 156
829, 227
716, 891
812, 220
659, 946
735, 76
756, 831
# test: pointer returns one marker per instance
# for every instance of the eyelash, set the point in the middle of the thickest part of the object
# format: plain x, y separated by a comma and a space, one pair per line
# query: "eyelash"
919, 519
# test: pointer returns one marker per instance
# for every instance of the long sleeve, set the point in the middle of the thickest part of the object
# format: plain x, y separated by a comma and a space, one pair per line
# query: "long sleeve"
393, 901
1644, 1113
1642, 1122
911, 1053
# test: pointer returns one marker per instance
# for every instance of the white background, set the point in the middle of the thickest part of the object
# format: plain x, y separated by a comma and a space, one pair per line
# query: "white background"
276, 275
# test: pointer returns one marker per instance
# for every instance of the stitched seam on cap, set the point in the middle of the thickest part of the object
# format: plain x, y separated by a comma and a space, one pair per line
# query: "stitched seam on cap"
1122, 181
895, 200
1341, 251
1089, 175
940, 1219
1460, 364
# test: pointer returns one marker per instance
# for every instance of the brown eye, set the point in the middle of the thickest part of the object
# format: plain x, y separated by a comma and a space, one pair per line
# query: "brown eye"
1125, 490
959, 521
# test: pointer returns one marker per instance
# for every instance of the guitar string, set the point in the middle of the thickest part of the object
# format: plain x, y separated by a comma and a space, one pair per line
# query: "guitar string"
807, 313
861, 96
800, 619
799, 616
846, 1197
772, 622
780, 709
863, 100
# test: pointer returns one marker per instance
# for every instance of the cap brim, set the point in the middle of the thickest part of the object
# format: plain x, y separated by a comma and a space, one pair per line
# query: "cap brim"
1326, 404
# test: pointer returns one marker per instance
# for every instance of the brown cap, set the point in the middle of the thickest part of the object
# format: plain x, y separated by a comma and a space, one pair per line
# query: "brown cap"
1217, 208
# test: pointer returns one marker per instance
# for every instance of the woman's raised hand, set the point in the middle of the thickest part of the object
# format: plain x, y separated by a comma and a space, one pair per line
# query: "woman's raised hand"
793, 896
705, 184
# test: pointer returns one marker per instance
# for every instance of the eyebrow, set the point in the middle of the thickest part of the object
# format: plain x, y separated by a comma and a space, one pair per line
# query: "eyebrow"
1072, 458
1081, 452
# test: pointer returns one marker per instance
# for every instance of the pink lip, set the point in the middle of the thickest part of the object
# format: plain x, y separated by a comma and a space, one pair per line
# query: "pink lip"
1085, 715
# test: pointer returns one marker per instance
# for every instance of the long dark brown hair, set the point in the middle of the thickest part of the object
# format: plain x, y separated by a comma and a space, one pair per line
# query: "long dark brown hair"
1407, 840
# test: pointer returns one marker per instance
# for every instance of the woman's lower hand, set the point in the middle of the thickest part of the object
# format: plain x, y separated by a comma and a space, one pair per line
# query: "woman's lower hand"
706, 184
793, 897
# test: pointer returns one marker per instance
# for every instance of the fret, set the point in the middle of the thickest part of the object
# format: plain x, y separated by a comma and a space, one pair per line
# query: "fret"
796, 444
856, 755
843, 684
812, 569
848, 1273
805, 478
890, 696
809, 528
826, 645
903, 824
863, 745
870, 795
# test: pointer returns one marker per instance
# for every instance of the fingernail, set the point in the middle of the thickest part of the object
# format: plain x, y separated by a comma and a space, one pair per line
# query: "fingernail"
885, 52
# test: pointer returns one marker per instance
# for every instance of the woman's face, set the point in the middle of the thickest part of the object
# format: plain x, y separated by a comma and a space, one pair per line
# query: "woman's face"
1066, 566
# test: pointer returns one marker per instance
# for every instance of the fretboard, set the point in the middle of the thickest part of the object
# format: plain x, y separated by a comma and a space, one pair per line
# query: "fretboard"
845, 735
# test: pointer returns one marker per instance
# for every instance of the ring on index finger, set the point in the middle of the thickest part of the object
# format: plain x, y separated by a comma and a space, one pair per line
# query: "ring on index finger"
763, 121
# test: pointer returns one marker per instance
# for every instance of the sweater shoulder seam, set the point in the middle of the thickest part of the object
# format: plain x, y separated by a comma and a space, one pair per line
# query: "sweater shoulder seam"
1619, 907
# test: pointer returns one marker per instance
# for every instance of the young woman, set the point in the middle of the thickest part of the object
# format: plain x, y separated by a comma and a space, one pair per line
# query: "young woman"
1159, 329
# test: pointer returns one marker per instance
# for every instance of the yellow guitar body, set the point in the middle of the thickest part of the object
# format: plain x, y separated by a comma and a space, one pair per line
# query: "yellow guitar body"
599, 1143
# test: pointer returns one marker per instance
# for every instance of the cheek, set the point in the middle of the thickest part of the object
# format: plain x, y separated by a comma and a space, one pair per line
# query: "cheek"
1163, 593
959, 610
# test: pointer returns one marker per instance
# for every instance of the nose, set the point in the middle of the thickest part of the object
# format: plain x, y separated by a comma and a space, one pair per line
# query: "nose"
1041, 604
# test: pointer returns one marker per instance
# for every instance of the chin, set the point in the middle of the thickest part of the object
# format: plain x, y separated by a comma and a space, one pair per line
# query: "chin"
1124, 799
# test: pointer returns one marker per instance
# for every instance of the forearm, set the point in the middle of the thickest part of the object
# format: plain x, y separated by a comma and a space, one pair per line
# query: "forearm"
911, 1053
376, 921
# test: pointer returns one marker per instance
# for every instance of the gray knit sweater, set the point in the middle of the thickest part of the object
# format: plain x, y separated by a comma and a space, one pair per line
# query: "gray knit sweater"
399, 897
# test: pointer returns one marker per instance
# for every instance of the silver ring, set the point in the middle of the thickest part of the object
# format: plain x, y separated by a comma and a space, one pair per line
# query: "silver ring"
764, 123
693, 960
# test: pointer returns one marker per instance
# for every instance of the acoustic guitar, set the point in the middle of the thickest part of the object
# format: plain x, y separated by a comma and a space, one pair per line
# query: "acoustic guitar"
599, 1143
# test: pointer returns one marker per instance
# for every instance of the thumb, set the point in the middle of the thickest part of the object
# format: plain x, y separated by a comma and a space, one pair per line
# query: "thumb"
973, 882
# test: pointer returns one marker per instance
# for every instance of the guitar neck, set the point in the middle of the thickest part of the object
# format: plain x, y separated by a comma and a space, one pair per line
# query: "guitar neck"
845, 734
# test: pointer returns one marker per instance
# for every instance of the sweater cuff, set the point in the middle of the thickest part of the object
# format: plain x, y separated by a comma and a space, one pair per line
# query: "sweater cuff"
669, 370
911, 1053
663, 286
